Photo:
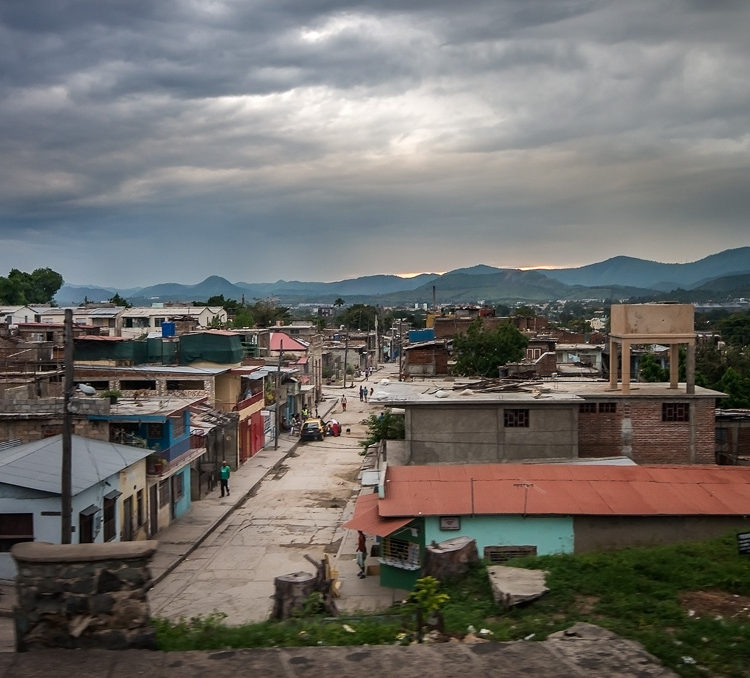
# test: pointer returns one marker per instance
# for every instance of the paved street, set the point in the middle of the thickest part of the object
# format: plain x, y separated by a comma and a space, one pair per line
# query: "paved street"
296, 510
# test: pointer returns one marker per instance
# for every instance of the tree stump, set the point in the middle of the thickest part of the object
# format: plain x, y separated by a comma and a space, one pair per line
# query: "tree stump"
450, 558
291, 592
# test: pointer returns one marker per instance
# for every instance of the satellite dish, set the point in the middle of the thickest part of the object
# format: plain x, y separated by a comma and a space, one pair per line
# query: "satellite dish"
86, 389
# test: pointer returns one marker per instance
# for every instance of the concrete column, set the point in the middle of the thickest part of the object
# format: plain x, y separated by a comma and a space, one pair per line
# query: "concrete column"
613, 350
674, 365
625, 360
690, 368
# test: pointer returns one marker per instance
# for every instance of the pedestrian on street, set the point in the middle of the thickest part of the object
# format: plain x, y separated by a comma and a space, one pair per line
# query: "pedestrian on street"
361, 554
224, 473
343, 403
361, 393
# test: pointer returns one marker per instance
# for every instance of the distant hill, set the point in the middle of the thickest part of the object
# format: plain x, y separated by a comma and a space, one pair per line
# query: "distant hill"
631, 272
73, 295
620, 278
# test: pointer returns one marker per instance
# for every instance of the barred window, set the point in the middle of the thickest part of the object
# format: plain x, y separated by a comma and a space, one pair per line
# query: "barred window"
500, 554
516, 418
675, 412
607, 408
588, 408
163, 493
400, 553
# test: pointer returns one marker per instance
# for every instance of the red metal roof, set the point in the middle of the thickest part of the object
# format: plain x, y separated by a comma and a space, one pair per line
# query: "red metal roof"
289, 343
366, 518
558, 489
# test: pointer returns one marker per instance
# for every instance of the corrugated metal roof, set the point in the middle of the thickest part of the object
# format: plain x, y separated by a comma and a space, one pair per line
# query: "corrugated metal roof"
282, 341
558, 489
38, 465
366, 518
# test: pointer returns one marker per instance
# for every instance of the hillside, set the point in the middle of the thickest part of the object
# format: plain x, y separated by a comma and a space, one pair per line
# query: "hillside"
720, 275
631, 272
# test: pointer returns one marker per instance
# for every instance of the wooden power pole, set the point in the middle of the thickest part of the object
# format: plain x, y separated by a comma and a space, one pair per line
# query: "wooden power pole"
66, 499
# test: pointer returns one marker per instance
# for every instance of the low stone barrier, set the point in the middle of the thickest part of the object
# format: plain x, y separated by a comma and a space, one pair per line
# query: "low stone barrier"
83, 595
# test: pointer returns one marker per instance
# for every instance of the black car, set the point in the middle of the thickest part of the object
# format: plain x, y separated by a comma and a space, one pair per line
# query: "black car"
313, 429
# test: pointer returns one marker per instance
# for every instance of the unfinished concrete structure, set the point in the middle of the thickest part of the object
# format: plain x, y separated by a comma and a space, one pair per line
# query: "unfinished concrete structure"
669, 324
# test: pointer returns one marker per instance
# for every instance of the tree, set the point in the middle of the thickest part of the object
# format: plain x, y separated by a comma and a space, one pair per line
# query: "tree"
267, 314
481, 352
386, 426
735, 329
243, 318
359, 317
338, 303
38, 287
117, 300
651, 371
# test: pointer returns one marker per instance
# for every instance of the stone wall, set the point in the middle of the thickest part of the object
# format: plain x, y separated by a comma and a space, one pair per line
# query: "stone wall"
83, 595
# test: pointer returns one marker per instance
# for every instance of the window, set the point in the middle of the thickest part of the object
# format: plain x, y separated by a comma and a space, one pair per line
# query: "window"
185, 385
516, 418
110, 524
400, 553
137, 384
15, 528
607, 408
155, 431
675, 412
501, 554
588, 408
163, 493
178, 424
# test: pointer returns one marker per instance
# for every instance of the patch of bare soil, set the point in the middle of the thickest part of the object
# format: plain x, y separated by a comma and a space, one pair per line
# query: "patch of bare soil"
325, 500
586, 604
716, 603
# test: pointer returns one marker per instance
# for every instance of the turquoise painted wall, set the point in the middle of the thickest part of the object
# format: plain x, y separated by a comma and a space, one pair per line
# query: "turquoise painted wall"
548, 534
184, 503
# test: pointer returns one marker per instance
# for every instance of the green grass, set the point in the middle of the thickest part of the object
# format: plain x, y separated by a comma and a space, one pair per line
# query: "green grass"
634, 592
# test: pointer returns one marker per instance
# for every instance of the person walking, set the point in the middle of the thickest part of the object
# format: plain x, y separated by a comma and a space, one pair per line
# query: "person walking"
343, 403
361, 554
224, 473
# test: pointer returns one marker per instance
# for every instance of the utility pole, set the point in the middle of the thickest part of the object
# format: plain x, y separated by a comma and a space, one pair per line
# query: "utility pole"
400, 349
66, 499
278, 403
346, 352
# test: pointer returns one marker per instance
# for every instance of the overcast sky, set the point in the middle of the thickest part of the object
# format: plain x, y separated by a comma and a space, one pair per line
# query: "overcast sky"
146, 141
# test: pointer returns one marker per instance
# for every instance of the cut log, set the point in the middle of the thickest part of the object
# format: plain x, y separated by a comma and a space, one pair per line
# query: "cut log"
450, 558
291, 592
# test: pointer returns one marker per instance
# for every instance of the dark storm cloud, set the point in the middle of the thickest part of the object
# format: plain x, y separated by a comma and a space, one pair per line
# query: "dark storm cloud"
503, 132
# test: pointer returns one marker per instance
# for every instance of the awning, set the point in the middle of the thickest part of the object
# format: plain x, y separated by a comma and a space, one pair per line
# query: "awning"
366, 518
113, 494
90, 510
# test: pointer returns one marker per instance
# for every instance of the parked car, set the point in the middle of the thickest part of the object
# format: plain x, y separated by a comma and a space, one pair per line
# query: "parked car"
313, 429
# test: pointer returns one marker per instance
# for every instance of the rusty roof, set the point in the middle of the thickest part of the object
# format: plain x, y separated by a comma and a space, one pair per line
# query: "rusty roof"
559, 489
367, 518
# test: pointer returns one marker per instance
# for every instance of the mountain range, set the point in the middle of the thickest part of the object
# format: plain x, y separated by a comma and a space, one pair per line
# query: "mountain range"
716, 277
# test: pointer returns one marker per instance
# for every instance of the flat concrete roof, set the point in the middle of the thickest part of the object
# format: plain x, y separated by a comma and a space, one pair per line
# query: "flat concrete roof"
457, 391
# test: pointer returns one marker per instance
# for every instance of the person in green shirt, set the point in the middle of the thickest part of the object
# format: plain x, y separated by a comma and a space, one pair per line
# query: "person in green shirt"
224, 473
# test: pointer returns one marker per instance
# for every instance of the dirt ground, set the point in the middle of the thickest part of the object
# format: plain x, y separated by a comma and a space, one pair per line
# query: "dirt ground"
716, 603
